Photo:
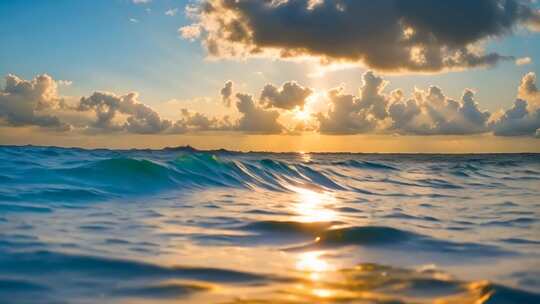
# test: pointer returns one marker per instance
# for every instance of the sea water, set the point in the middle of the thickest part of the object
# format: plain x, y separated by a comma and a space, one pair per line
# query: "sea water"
186, 226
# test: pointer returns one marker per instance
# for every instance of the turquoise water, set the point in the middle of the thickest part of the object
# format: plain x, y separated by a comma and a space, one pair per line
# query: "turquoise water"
186, 226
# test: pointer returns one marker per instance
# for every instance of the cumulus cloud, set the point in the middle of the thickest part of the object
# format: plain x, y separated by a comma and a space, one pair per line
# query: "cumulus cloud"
520, 120
108, 106
23, 102
345, 115
36, 102
445, 116
256, 119
195, 121
523, 118
528, 89
227, 93
427, 112
290, 96
390, 35
27, 103
351, 114
141, 1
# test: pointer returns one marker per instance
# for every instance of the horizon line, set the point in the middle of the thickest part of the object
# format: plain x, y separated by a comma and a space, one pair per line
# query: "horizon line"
190, 148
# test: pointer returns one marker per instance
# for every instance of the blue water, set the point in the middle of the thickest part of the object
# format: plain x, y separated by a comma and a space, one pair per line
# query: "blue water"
187, 226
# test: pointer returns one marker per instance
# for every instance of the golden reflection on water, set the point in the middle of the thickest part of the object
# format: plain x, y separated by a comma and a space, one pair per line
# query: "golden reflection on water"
315, 268
306, 157
312, 262
313, 206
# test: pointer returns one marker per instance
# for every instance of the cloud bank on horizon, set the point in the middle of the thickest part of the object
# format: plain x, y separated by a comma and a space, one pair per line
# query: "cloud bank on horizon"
38, 103
384, 35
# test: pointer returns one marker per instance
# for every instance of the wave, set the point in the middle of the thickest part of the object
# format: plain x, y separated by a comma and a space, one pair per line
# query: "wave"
117, 176
333, 235
287, 227
53, 277
364, 165
50, 262
61, 175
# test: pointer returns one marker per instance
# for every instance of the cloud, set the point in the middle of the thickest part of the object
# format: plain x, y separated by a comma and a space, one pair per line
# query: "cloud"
351, 114
141, 1
345, 116
388, 35
290, 96
428, 112
523, 61
23, 102
26, 103
36, 102
190, 32
403, 114
226, 93
133, 20
171, 12
255, 119
528, 90
107, 107
65, 82
438, 114
195, 121
523, 118
446, 116
520, 120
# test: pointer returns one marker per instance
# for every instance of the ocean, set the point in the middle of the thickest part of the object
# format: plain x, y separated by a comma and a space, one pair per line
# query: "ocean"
185, 226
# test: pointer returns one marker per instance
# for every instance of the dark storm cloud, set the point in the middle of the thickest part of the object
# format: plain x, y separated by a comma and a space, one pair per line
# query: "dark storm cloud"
394, 35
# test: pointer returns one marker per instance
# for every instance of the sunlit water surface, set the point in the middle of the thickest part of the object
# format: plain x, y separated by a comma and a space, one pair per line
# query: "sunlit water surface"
182, 226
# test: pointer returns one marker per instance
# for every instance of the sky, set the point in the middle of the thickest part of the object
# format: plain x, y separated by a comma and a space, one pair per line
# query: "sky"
277, 75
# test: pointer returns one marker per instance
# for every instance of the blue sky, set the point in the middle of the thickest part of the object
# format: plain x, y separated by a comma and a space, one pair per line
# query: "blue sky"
120, 46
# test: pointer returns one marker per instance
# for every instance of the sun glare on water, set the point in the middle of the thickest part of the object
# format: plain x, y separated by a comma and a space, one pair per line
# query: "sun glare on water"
313, 206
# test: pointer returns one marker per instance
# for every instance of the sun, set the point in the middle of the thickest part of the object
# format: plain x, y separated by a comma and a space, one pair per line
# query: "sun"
305, 114
302, 115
